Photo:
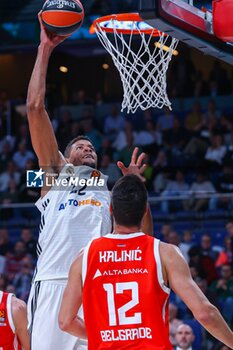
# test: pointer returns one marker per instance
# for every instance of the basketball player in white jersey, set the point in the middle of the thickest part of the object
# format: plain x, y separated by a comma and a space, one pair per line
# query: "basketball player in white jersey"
70, 216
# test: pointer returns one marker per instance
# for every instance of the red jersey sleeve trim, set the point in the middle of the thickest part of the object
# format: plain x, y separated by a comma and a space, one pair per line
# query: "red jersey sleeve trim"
159, 267
9, 312
84, 262
1, 296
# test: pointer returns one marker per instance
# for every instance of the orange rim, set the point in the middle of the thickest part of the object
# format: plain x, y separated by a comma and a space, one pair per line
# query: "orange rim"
122, 17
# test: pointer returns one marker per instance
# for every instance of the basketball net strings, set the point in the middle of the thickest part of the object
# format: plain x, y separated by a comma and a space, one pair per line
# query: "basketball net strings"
142, 72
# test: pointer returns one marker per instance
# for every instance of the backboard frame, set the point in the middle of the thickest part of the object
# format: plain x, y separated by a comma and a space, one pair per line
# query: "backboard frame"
187, 23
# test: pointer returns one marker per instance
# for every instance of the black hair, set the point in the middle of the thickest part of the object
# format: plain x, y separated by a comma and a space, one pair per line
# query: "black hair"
70, 144
129, 200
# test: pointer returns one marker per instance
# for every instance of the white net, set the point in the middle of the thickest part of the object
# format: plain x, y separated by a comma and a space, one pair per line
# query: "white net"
142, 61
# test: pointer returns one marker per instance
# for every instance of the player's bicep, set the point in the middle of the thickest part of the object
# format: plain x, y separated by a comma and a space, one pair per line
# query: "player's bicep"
43, 138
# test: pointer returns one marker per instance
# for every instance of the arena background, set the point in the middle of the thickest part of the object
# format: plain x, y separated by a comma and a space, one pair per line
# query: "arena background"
189, 149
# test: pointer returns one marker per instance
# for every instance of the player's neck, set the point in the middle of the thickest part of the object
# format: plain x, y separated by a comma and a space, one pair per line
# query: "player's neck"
123, 230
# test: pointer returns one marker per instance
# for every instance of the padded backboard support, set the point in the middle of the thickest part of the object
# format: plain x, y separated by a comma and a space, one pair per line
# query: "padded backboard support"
186, 23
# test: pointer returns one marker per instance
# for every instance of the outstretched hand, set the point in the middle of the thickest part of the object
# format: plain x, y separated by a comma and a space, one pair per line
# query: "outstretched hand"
135, 167
48, 37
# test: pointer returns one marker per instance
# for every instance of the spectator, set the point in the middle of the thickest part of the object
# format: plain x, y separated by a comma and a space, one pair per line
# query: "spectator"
219, 76
176, 188
23, 136
229, 154
2, 264
194, 120
5, 155
173, 238
22, 279
121, 140
126, 153
201, 187
176, 138
216, 152
92, 133
225, 256
165, 230
5, 245
15, 259
204, 264
80, 98
99, 98
114, 123
30, 243
201, 87
149, 138
161, 180
3, 282
174, 322
106, 147
64, 129
166, 120
186, 244
11, 195
21, 156
224, 184
184, 337
229, 228
161, 161
206, 247
75, 129
110, 169
9, 174
212, 112
224, 289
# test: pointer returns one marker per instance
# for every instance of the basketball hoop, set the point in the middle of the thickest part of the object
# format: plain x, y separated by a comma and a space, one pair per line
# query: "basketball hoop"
141, 54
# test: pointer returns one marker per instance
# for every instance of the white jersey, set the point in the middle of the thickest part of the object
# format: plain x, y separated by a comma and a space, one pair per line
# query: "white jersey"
70, 217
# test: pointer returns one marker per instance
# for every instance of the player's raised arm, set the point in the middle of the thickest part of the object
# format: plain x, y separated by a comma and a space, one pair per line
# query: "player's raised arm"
19, 315
136, 167
177, 272
42, 135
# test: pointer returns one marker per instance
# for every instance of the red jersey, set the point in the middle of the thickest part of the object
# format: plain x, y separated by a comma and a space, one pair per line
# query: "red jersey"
8, 338
125, 300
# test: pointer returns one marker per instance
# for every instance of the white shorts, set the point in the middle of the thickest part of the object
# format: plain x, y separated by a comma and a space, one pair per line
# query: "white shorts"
43, 308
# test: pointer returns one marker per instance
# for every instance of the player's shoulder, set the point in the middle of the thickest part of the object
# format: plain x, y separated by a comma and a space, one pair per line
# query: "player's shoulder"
18, 306
168, 250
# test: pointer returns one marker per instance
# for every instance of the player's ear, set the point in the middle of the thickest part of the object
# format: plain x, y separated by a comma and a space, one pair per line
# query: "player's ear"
146, 208
110, 208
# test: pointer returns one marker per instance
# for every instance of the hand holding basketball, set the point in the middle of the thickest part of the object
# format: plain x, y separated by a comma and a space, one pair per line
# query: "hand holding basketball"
47, 37
62, 17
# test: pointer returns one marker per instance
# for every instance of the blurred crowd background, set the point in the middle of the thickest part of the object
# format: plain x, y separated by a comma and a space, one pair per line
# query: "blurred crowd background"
189, 152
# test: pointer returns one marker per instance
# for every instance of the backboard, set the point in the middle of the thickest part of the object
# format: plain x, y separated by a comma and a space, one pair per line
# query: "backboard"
187, 23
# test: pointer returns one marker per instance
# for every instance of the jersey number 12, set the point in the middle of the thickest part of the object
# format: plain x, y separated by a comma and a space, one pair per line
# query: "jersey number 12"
121, 311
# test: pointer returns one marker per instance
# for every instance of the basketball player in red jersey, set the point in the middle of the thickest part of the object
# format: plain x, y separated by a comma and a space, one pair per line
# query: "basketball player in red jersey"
123, 281
13, 323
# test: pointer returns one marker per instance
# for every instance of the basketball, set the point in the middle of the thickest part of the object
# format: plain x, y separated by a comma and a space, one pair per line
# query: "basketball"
62, 17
